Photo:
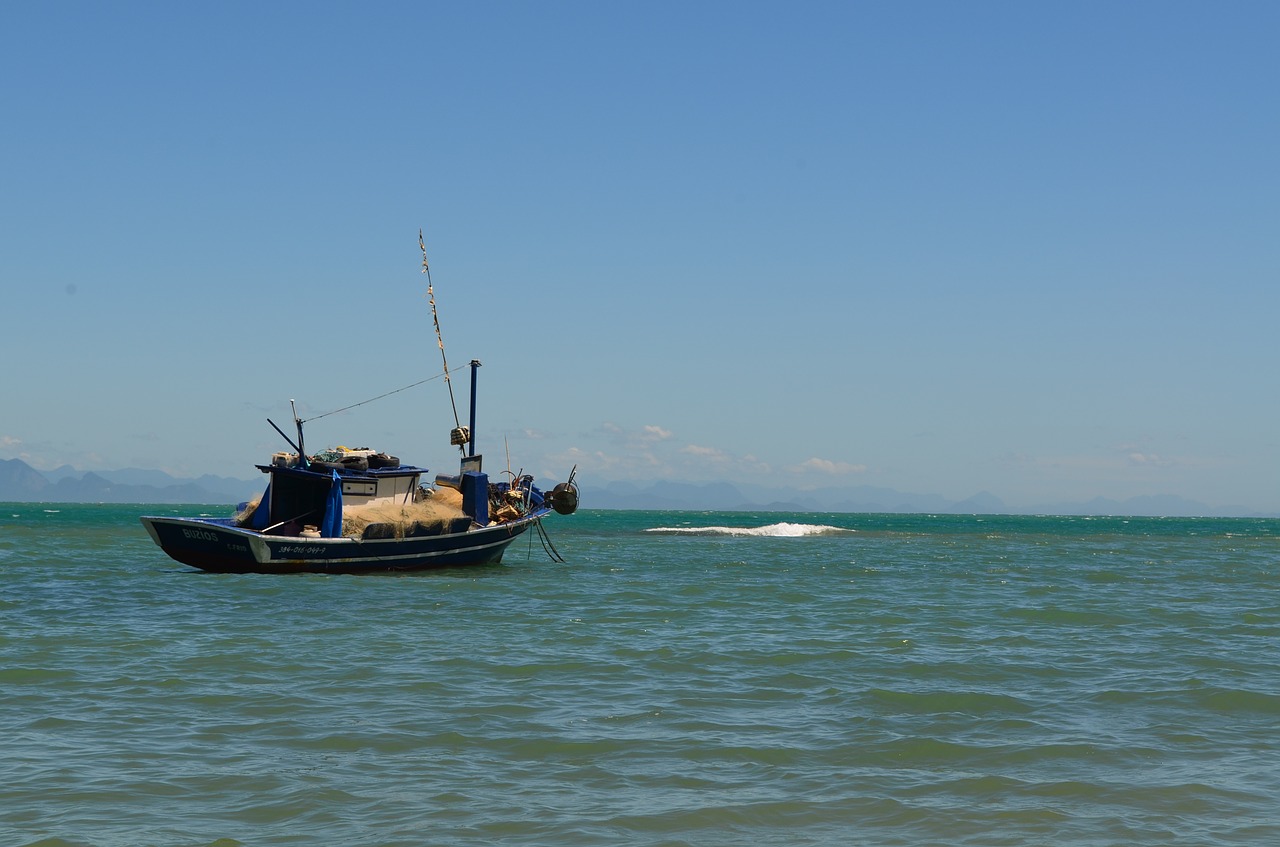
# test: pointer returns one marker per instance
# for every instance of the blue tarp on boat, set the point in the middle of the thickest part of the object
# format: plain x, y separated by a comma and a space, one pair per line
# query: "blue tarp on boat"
331, 526
262, 514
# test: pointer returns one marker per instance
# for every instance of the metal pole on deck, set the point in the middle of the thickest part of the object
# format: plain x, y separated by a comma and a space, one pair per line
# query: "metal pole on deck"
475, 365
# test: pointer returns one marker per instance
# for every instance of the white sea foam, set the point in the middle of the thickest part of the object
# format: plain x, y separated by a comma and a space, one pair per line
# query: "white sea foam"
776, 530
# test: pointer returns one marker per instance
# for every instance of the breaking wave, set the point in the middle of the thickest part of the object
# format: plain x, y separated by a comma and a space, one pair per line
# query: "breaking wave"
775, 530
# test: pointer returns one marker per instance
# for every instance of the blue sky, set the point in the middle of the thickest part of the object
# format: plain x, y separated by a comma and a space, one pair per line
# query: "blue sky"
1026, 248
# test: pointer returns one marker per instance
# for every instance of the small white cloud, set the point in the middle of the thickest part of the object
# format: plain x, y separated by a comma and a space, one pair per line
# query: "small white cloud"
718, 461
632, 439
656, 433
600, 462
8, 441
827, 466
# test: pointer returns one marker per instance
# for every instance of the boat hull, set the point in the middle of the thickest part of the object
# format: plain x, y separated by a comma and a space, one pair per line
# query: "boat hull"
215, 544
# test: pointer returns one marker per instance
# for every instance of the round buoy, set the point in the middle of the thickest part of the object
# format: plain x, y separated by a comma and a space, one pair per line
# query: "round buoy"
564, 498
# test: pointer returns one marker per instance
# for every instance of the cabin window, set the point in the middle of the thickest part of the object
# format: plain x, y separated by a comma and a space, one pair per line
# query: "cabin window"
360, 487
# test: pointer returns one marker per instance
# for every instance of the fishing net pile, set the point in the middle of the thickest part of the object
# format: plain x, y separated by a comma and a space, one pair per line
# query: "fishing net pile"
243, 517
435, 513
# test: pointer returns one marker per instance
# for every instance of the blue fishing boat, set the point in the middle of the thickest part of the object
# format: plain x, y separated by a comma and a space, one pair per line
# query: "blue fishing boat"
361, 511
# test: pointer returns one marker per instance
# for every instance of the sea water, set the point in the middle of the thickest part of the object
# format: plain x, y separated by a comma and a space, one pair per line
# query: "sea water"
682, 679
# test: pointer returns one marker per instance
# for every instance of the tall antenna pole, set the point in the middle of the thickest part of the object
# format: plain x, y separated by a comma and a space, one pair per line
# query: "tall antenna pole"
435, 318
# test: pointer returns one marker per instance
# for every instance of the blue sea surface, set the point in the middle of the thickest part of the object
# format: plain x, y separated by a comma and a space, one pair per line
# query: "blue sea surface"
684, 679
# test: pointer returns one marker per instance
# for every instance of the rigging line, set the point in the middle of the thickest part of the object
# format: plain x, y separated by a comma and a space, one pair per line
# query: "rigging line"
537, 530
547, 546
561, 559
435, 319
371, 399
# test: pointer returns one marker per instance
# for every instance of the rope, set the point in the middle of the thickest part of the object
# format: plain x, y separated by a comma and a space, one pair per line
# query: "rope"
426, 269
371, 399
552, 553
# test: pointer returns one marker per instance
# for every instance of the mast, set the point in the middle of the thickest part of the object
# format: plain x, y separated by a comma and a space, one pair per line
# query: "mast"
302, 447
460, 436
475, 366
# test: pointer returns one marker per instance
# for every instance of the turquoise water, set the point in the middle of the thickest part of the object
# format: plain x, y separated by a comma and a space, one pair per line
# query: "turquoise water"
685, 679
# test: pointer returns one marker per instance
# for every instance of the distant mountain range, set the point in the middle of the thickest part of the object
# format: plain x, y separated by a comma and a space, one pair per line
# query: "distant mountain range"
19, 482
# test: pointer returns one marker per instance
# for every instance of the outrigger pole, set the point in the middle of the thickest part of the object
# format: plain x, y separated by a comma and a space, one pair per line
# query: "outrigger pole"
295, 447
